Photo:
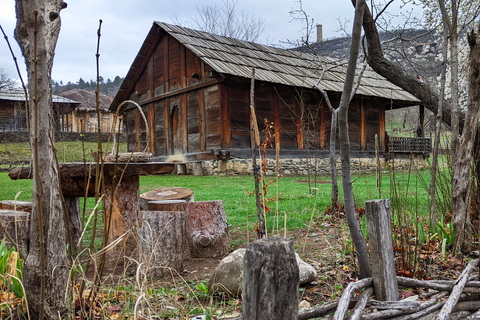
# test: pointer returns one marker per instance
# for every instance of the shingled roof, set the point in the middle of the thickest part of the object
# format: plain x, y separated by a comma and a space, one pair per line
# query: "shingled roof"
19, 95
87, 99
288, 67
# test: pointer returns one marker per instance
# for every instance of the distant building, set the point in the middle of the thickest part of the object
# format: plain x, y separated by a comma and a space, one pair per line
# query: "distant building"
194, 89
13, 115
84, 117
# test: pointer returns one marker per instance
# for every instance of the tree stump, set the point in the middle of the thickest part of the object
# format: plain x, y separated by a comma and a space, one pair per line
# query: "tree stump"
207, 229
72, 205
381, 249
25, 206
197, 169
161, 241
172, 193
270, 280
16, 224
166, 205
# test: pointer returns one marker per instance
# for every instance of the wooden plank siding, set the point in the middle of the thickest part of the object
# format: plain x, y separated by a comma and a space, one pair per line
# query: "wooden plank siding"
191, 109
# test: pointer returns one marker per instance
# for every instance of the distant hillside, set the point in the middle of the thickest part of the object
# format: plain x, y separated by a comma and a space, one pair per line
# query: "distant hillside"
109, 87
417, 51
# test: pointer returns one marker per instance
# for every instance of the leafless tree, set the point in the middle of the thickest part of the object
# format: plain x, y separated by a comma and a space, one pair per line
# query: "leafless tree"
431, 100
5, 81
46, 268
225, 20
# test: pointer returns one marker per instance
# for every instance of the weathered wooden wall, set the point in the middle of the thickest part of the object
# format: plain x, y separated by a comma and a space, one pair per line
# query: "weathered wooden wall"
192, 109
181, 101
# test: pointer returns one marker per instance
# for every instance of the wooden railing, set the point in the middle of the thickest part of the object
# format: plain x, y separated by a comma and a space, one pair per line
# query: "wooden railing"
409, 145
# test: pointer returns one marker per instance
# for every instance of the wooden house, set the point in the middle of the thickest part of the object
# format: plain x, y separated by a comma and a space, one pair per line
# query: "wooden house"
194, 89
84, 117
13, 116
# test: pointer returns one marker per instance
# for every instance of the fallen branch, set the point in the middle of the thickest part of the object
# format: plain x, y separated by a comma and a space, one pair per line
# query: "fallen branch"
347, 294
395, 313
457, 291
361, 303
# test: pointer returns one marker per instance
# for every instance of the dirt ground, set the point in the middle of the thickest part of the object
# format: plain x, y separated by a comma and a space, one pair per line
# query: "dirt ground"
322, 248
327, 247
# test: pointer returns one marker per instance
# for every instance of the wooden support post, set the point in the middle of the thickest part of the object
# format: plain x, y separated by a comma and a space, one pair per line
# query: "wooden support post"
381, 249
197, 169
270, 280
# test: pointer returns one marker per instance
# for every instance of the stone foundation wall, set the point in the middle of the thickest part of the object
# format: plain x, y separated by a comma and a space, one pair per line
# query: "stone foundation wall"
301, 167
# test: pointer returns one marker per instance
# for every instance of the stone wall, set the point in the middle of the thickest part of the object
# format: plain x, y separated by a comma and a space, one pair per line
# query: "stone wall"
300, 166
60, 136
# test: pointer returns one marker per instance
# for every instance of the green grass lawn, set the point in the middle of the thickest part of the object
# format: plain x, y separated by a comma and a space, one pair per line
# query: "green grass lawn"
66, 151
294, 197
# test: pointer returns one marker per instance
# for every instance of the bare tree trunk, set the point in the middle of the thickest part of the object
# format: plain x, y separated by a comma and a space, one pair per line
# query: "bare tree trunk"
356, 233
438, 125
462, 227
46, 266
333, 161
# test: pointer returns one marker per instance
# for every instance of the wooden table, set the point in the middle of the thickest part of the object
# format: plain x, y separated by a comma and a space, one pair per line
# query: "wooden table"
121, 196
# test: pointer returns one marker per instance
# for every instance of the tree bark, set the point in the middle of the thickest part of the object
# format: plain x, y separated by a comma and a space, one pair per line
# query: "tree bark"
207, 229
270, 280
438, 125
46, 265
355, 232
461, 172
162, 242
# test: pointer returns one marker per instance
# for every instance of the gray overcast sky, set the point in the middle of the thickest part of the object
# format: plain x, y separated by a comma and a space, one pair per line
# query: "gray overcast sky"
127, 22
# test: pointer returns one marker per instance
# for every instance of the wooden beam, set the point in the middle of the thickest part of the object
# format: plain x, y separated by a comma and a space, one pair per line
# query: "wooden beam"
323, 127
381, 119
137, 131
299, 115
184, 124
165, 64
224, 116
201, 120
178, 92
276, 117
183, 71
363, 126
166, 121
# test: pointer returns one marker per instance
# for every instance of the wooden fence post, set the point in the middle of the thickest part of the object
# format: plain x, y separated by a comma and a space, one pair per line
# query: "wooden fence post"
381, 249
270, 280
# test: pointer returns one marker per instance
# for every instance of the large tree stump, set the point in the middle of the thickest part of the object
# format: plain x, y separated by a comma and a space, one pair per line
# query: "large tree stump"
270, 280
166, 205
161, 242
72, 205
122, 205
172, 193
381, 249
15, 205
207, 229
15, 224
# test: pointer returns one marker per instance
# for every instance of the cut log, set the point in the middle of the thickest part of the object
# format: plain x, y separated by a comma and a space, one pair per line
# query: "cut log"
166, 205
270, 280
172, 193
15, 224
207, 229
25, 206
161, 242
377, 213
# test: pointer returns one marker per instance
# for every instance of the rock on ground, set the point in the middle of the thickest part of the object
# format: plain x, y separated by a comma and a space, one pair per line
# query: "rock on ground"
228, 275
